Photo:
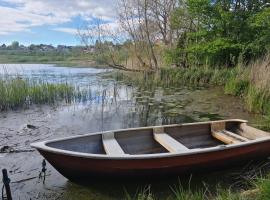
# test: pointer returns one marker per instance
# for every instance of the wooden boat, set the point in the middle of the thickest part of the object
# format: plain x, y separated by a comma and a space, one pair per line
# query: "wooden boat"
156, 151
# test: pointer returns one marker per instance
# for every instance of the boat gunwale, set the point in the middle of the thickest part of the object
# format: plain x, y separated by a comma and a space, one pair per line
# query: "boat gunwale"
43, 145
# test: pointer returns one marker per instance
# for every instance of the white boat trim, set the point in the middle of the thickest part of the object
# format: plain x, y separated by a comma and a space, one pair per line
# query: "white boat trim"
43, 145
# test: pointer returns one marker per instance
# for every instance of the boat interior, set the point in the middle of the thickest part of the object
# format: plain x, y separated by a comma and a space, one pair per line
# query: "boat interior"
163, 139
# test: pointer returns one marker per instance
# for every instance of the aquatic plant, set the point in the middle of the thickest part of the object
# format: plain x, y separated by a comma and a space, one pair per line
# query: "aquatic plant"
16, 92
249, 82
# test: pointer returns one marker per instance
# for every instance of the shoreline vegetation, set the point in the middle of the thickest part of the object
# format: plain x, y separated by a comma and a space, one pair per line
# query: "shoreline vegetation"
19, 93
249, 82
68, 59
260, 191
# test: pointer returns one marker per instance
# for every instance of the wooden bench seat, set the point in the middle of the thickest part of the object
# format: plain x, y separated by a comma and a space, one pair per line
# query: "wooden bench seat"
110, 144
167, 141
219, 132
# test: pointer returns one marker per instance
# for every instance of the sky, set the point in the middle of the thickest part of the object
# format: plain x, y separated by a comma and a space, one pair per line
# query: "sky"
53, 22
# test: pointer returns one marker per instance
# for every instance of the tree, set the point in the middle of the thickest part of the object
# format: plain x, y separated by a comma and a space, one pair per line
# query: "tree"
161, 12
221, 31
15, 45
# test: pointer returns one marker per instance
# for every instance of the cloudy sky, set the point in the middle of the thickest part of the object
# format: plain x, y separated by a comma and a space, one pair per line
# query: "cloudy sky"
50, 21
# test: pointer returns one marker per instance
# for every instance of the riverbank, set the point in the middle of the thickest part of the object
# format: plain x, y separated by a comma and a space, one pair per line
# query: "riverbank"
249, 83
78, 59
260, 191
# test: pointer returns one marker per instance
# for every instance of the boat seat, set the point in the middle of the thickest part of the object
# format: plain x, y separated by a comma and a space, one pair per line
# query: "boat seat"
220, 133
110, 144
167, 141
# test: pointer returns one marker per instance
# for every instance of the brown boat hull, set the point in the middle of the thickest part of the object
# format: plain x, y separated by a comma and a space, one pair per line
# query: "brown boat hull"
81, 168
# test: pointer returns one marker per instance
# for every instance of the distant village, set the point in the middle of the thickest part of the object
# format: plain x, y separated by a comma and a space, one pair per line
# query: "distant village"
15, 46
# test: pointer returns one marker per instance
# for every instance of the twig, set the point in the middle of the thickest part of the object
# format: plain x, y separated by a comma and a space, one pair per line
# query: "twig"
27, 179
17, 151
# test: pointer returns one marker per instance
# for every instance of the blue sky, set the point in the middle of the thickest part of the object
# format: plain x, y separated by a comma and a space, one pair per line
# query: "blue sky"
51, 21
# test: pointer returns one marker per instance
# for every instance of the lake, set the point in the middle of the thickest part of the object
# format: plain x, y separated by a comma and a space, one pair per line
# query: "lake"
106, 105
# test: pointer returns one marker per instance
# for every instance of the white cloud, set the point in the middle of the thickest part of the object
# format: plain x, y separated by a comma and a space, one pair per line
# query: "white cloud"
72, 31
109, 27
22, 15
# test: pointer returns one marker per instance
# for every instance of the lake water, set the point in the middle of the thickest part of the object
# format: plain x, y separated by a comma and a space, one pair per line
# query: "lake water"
106, 105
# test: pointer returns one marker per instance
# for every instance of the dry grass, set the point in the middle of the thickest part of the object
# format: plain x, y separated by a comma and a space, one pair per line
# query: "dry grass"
260, 73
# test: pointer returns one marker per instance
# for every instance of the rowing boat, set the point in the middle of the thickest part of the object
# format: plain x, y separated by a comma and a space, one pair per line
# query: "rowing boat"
156, 151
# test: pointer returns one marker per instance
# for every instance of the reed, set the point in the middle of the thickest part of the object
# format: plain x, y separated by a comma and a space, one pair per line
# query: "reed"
16, 92
168, 77
238, 83
250, 82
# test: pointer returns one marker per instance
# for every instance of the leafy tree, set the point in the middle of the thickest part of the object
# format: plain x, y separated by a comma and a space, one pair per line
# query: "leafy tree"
15, 45
218, 32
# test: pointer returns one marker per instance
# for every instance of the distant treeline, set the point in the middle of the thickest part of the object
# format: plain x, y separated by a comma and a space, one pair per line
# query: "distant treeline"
43, 53
15, 46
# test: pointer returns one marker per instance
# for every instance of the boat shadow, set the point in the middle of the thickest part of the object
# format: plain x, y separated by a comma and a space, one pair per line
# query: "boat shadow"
237, 177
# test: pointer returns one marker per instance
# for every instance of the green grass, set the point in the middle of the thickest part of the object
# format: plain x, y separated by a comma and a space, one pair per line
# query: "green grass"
263, 186
180, 193
236, 81
60, 58
260, 190
17, 93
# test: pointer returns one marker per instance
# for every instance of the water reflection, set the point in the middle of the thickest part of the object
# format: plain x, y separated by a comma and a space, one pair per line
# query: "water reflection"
112, 104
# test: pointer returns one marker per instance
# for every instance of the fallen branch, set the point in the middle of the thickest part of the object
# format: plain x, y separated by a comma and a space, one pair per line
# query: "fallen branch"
8, 149
27, 179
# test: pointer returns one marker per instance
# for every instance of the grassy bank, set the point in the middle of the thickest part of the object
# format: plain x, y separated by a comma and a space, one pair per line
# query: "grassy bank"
250, 82
60, 58
260, 191
18, 93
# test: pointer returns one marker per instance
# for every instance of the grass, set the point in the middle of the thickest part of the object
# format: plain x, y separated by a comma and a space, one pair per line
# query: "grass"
168, 77
260, 190
60, 58
263, 186
180, 193
251, 82
17, 93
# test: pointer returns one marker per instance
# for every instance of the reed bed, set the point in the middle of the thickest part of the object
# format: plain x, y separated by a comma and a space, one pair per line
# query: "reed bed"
17, 93
253, 84
250, 82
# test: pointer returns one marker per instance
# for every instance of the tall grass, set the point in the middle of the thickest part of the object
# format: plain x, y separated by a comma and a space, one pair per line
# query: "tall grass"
178, 192
168, 77
251, 82
17, 92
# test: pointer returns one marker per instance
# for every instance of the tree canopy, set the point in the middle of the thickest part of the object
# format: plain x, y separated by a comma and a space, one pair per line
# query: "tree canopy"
219, 32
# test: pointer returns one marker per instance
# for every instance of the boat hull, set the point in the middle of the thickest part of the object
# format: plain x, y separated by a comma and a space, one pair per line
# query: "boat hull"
78, 168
